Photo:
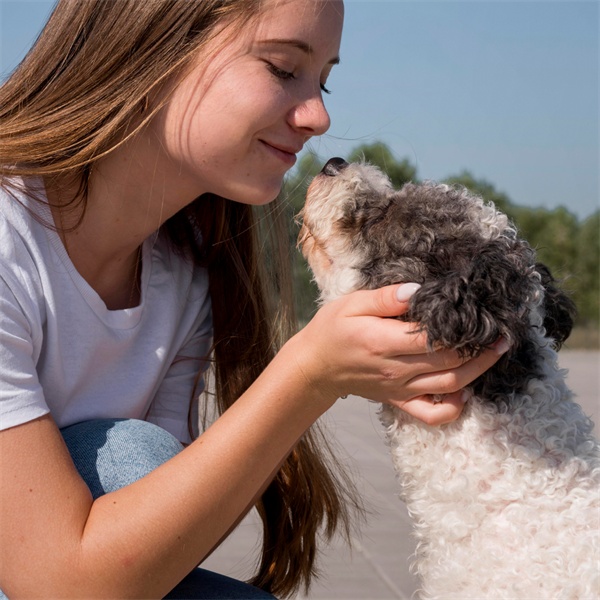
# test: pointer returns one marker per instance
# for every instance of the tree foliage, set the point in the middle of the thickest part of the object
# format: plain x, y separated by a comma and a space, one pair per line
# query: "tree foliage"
294, 194
570, 248
587, 270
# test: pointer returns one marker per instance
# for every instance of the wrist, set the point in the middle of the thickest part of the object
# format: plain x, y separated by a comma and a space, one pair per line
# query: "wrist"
308, 368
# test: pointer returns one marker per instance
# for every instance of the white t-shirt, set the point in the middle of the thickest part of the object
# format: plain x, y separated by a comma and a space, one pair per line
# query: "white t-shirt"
63, 352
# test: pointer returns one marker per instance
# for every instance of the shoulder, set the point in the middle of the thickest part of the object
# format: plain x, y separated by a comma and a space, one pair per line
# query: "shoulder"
23, 202
22, 242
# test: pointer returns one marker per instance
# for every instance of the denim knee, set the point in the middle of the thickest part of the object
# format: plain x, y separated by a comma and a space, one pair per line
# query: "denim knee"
112, 453
206, 585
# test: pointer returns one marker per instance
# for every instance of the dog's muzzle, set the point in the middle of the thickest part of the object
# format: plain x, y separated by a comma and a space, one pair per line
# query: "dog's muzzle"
333, 166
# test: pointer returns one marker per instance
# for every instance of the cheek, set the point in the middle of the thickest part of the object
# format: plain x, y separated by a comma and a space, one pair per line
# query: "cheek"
224, 125
204, 129
211, 132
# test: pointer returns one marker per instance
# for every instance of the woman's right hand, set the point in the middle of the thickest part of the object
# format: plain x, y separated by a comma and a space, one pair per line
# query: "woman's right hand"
351, 346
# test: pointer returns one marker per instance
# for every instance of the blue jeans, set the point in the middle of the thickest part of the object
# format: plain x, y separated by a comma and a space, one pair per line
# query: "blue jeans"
112, 453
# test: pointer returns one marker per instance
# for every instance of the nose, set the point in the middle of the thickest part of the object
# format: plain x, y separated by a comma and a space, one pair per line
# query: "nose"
333, 166
311, 117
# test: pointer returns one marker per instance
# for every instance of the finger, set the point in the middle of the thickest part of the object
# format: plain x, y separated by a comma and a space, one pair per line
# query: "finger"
432, 362
434, 413
399, 339
390, 336
389, 301
393, 339
447, 382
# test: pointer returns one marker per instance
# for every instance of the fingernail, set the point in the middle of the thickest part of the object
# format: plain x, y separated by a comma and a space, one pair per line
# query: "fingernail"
464, 396
501, 346
405, 291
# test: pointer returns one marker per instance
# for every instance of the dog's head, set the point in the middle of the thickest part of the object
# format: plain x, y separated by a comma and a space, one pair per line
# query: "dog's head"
479, 281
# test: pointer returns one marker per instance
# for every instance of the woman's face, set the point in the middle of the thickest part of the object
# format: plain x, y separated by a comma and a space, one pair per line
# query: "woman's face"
233, 127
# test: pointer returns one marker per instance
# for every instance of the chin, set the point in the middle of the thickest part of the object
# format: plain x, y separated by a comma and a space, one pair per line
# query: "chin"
256, 196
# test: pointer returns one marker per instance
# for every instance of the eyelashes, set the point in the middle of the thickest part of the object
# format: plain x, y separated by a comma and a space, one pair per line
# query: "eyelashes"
286, 75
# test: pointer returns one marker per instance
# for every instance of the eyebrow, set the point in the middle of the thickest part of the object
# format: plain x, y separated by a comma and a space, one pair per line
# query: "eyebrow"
307, 48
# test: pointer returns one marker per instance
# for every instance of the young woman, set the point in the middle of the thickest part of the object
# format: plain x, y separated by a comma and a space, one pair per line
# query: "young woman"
138, 142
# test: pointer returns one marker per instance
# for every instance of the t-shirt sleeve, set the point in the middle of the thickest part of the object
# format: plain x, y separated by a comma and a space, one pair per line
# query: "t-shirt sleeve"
21, 395
171, 404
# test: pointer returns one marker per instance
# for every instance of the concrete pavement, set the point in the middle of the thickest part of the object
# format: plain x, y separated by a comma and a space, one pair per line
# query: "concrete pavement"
378, 567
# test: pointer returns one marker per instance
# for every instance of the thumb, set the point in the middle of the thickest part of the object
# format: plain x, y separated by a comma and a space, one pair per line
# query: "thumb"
389, 301
434, 413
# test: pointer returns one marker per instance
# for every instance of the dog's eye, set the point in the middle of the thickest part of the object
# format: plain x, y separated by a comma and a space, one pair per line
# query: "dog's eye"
283, 74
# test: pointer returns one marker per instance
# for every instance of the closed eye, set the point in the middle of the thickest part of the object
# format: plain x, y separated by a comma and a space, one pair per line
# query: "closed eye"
286, 75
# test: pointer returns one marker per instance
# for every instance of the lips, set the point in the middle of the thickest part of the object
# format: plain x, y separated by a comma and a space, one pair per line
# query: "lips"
285, 153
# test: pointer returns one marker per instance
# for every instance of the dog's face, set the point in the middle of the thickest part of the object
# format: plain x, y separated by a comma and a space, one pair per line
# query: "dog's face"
478, 279
329, 232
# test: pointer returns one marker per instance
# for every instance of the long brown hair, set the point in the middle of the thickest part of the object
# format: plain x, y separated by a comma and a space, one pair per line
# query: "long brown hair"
64, 107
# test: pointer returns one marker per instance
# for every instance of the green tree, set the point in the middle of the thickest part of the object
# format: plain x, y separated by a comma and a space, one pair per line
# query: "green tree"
294, 195
553, 234
587, 270
295, 186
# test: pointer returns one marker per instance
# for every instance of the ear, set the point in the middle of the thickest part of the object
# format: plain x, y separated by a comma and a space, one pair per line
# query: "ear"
485, 297
559, 310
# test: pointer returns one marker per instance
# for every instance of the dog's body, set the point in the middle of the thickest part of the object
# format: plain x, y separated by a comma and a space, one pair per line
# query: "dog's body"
506, 500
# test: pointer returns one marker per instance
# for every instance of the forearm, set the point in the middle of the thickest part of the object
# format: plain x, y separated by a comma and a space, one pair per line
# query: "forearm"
250, 504
146, 537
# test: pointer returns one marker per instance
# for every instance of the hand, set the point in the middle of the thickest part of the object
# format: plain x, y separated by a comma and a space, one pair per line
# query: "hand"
350, 347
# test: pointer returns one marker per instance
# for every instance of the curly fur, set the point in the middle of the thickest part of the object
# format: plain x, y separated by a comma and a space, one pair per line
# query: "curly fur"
506, 500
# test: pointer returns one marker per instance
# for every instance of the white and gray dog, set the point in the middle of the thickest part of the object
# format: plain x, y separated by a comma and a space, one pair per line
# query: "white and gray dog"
506, 499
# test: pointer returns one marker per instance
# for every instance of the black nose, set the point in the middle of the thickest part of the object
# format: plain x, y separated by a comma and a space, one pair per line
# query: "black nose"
334, 166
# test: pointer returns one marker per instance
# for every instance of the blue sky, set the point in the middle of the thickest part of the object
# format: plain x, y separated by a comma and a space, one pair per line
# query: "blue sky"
506, 89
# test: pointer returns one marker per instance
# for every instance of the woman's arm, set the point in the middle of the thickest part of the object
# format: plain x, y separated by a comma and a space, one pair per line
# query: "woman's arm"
141, 540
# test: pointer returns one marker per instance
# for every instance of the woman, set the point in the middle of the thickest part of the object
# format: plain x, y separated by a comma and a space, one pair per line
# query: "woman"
138, 140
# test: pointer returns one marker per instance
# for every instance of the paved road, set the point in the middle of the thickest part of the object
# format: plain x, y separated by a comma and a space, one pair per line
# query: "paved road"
378, 566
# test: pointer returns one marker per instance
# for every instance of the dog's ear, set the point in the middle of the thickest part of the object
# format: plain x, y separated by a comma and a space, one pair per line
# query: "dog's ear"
488, 297
480, 300
559, 310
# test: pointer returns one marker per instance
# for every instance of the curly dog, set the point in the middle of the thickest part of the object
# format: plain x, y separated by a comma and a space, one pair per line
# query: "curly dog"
505, 500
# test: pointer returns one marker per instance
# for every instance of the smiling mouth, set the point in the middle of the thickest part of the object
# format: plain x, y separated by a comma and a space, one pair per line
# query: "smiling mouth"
285, 155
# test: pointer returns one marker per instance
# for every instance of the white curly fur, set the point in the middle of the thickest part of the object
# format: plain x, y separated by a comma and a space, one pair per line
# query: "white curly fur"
505, 504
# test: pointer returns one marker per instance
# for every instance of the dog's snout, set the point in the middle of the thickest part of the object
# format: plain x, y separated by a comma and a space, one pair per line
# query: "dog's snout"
334, 166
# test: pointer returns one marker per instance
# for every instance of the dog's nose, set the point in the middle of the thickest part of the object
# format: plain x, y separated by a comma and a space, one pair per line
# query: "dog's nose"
334, 166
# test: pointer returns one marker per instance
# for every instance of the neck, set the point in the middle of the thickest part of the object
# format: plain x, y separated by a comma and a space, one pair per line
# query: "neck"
126, 204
